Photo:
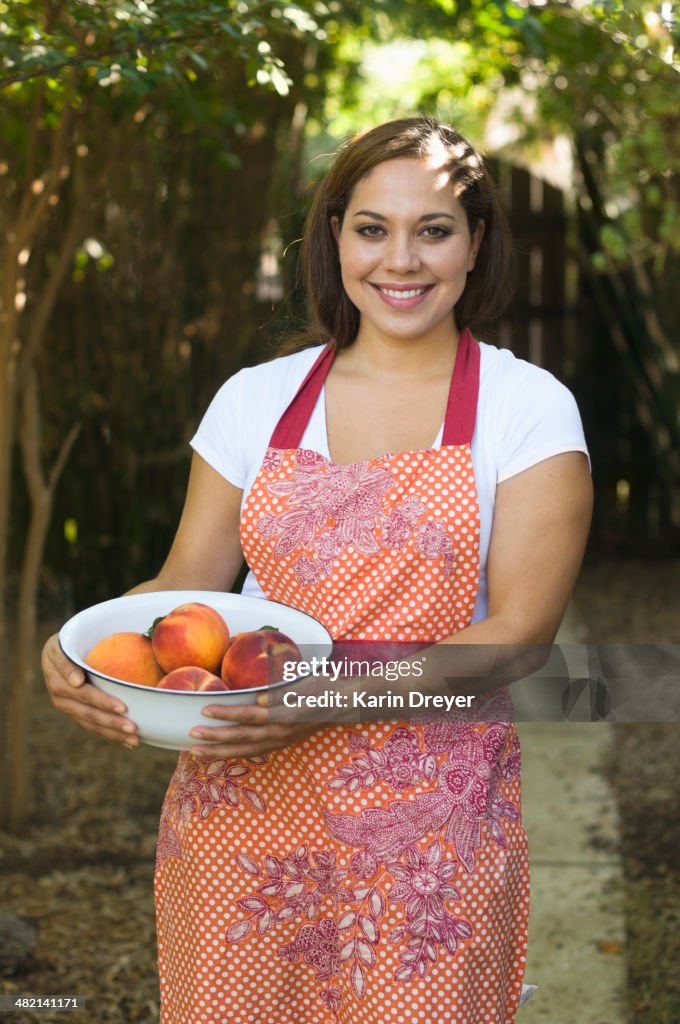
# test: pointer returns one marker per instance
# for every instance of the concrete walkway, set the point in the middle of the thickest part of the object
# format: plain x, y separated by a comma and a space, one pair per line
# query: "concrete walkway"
576, 928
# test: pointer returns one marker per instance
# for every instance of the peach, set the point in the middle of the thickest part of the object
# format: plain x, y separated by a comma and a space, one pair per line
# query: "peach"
256, 658
191, 634
191, 677
126, 656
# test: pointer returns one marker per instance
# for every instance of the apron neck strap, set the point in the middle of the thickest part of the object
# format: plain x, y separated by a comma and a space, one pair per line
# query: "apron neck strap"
290, 428
461, 406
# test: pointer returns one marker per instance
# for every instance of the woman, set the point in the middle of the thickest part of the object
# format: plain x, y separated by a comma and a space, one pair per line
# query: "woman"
400, 482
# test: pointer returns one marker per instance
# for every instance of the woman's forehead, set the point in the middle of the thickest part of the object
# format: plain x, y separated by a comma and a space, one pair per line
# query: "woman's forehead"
415, 178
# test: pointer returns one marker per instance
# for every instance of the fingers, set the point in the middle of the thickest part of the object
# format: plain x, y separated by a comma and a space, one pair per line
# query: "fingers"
235, 741
244, 714
251, 723
84, 703
55, 664
262, 713
91, 712
303, 706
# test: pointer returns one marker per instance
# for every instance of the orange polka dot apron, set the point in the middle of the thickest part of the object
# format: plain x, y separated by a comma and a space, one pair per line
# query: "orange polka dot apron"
368, 874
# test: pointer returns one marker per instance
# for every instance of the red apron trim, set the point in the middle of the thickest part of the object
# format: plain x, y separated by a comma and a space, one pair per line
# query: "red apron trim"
461, 406
292, 425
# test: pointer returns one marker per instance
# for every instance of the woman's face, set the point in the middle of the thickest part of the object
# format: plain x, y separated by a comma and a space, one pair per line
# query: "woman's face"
405, 249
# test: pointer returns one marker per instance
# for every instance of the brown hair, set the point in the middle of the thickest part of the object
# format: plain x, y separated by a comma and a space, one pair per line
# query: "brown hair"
488, 287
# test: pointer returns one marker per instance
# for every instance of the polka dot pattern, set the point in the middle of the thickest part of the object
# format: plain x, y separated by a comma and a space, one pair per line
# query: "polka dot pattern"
270, 909
418, 582
206, 980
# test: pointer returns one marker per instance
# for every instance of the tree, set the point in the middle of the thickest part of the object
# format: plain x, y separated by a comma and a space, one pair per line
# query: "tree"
147, 148
84, 83
602, 74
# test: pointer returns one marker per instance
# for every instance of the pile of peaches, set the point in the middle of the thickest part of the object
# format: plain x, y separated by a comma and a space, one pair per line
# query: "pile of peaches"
191, 648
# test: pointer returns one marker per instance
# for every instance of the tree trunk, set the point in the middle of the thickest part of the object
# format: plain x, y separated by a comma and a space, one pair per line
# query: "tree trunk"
41, 491
25, 224
23, 669
8, 369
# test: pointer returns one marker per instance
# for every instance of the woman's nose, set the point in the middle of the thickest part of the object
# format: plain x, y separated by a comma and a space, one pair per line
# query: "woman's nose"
401, 253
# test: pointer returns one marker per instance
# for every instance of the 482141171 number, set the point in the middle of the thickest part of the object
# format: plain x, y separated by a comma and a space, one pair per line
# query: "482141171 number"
32, 1002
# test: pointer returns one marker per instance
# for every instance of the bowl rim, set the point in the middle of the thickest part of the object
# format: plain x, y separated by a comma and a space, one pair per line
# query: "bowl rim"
206, 694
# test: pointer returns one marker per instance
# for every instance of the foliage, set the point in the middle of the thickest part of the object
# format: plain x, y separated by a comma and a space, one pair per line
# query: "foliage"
133, 114
595, 68
142, 43
171, 91
517, 75
138, 141
150, 149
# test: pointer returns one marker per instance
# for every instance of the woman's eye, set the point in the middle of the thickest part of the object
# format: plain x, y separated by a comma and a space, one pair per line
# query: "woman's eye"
432, 231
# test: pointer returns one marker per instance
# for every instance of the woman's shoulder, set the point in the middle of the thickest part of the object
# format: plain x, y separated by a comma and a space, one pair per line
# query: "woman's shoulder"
500, 367
525, 413
280, 370
269, 383
517, 386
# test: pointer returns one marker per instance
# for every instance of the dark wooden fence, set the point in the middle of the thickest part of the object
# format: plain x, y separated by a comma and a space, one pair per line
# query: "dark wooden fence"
554, 322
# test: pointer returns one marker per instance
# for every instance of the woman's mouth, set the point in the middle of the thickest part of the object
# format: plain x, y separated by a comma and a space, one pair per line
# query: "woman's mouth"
402, 298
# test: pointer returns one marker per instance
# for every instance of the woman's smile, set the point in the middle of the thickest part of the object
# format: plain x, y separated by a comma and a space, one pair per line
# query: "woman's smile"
402, 296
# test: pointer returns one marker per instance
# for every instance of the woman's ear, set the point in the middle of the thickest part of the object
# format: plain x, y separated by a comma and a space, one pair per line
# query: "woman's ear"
475, 242
336, 227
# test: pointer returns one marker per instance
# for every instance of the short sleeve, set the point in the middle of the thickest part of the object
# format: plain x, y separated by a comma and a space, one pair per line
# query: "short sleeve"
539, 419
219, 438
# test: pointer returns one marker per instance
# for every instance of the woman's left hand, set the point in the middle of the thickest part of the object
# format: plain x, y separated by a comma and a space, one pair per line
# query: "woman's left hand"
253, 734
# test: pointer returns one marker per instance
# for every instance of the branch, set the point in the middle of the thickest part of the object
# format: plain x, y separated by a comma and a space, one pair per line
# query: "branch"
40, 488
656, 331
29, 435
49, 293
150, 43
167, 458
54, 10
25, 231
62, 456
60, 138
34, 132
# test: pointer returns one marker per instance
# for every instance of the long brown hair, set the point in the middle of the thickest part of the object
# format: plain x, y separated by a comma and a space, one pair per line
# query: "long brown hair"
488, 286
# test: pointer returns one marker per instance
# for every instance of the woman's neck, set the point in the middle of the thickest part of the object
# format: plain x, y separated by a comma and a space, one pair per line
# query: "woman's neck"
376, 355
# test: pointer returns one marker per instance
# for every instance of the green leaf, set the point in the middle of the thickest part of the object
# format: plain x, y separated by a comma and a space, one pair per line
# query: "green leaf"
153, 625
198, 60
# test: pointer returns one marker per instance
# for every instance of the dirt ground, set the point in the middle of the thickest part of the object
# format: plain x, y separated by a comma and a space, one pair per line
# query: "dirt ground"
639, 603
84, 870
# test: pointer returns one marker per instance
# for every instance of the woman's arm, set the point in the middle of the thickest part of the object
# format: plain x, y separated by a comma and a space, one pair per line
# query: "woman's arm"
538, 538
206, 551
205, 555
539, 533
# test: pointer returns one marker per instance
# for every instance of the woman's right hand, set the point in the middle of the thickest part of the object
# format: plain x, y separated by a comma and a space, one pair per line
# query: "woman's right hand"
83, 702
205, 555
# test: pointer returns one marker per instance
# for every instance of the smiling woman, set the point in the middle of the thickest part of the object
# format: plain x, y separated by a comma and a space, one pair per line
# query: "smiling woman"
459, 187
401, 481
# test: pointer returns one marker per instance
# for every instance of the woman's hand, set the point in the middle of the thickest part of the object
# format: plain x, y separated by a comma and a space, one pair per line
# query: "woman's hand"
205, 555
270, 724
253, 734
83, 702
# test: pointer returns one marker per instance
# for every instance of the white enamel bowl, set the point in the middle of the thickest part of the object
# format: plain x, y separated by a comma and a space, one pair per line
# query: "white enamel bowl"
164, 717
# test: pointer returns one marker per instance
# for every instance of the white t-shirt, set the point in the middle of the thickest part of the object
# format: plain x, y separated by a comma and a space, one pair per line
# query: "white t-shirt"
524, 415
